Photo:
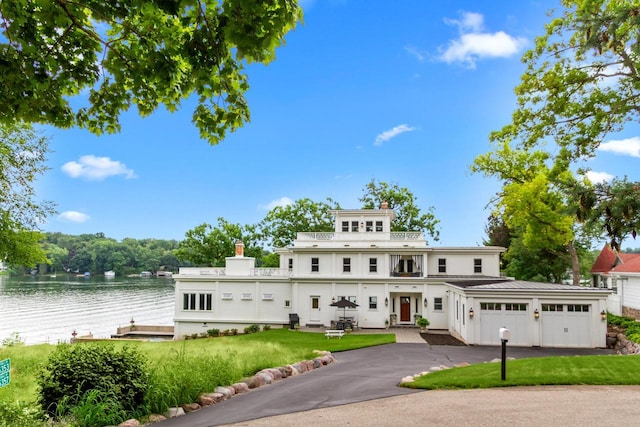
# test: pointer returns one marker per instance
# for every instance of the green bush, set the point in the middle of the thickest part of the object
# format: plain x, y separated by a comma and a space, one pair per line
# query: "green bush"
74, 370
631, 326
213, 332
266, 328
252, 329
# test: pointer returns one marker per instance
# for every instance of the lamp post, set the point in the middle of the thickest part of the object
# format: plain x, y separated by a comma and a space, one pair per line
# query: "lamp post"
505, 335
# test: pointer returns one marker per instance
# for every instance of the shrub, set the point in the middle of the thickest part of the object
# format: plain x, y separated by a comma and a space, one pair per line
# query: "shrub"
234, 331
252, 329
74, 370
266, 328
213, 332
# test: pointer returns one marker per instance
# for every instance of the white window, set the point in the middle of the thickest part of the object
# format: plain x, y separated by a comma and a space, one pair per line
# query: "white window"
195, 302
552, 307
369, 227
346, 265
491, 306
373, 303
477, 265
227, 295
354, 226
515, 307
442, 265
315, 264
267, 297
379, 226
290, 264
345, 226
437, 304
287, 303
246, 296
373, 265
205, 302
578, 308
188, 301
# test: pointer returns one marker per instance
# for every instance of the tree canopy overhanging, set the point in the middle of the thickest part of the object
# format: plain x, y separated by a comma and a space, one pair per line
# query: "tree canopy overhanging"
582, 80
145, 53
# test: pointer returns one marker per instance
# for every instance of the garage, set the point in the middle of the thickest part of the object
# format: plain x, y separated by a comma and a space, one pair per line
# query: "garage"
510, 315
536, 313
565, 325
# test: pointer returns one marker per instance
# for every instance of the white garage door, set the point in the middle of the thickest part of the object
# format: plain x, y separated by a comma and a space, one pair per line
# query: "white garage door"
566, 325
513, 316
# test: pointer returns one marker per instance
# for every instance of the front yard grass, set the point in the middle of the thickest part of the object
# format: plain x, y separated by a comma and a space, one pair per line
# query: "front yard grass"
182, 370
568, 370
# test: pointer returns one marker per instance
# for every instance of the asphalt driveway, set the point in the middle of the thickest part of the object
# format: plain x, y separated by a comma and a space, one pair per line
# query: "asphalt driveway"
356, 376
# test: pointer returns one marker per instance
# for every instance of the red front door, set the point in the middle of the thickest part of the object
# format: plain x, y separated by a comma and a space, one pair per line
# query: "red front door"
405, 309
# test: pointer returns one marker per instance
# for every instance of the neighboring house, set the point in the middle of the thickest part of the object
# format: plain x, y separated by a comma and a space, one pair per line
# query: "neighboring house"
393, 277
619, 272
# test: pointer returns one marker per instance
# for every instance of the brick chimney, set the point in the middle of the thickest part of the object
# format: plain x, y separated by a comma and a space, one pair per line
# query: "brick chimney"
239, 249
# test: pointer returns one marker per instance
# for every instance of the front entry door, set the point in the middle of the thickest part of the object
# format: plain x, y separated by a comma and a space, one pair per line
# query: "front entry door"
405, 309
314, 313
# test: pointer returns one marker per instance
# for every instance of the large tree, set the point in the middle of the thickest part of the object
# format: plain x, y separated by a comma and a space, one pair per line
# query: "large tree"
22, 160
581, 84
534, 207
401, 199
279, 227
145, 53
206, 245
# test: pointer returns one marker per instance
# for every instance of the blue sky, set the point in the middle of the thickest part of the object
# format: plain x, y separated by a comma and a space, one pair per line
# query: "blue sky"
405, 92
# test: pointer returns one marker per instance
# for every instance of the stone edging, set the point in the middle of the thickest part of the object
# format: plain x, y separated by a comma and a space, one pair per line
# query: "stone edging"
412, 378
221, 393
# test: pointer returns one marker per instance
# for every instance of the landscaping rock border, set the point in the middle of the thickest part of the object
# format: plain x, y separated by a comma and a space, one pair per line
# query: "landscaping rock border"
221, 393
412, 378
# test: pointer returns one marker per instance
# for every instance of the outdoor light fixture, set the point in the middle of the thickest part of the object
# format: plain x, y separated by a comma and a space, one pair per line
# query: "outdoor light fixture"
471, 313
386, 301
333, 300
536, 314
603, 315
425, 302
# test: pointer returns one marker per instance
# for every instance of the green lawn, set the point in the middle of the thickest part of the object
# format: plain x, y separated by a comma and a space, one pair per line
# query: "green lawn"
573, 370
212, 360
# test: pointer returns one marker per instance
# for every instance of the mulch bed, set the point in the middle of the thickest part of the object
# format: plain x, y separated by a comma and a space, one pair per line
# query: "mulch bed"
440, 339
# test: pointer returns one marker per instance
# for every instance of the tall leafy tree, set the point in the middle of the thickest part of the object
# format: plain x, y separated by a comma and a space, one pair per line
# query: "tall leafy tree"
408, 215
534, 207
145, 53
581, 84
22, 160
280, 225
209, 246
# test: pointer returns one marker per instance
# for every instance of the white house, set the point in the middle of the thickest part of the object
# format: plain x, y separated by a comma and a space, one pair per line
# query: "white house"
393, 277
619, 272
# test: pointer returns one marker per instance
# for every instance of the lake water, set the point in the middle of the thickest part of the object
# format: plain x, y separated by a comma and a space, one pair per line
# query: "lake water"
45, 309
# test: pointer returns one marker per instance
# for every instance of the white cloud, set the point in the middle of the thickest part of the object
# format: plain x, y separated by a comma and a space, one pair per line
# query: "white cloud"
470, 22
392, 133
96, 168
596, 177
625, 147
282, 201
416, 53
74, 216
474, 44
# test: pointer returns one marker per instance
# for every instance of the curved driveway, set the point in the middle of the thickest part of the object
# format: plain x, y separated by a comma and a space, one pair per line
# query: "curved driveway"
356, 376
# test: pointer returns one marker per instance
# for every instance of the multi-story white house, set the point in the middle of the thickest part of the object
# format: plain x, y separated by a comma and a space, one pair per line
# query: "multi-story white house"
394, 278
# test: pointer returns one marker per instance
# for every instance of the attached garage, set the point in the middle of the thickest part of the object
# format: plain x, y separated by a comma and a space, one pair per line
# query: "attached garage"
511, 315
565, 325
537, 314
